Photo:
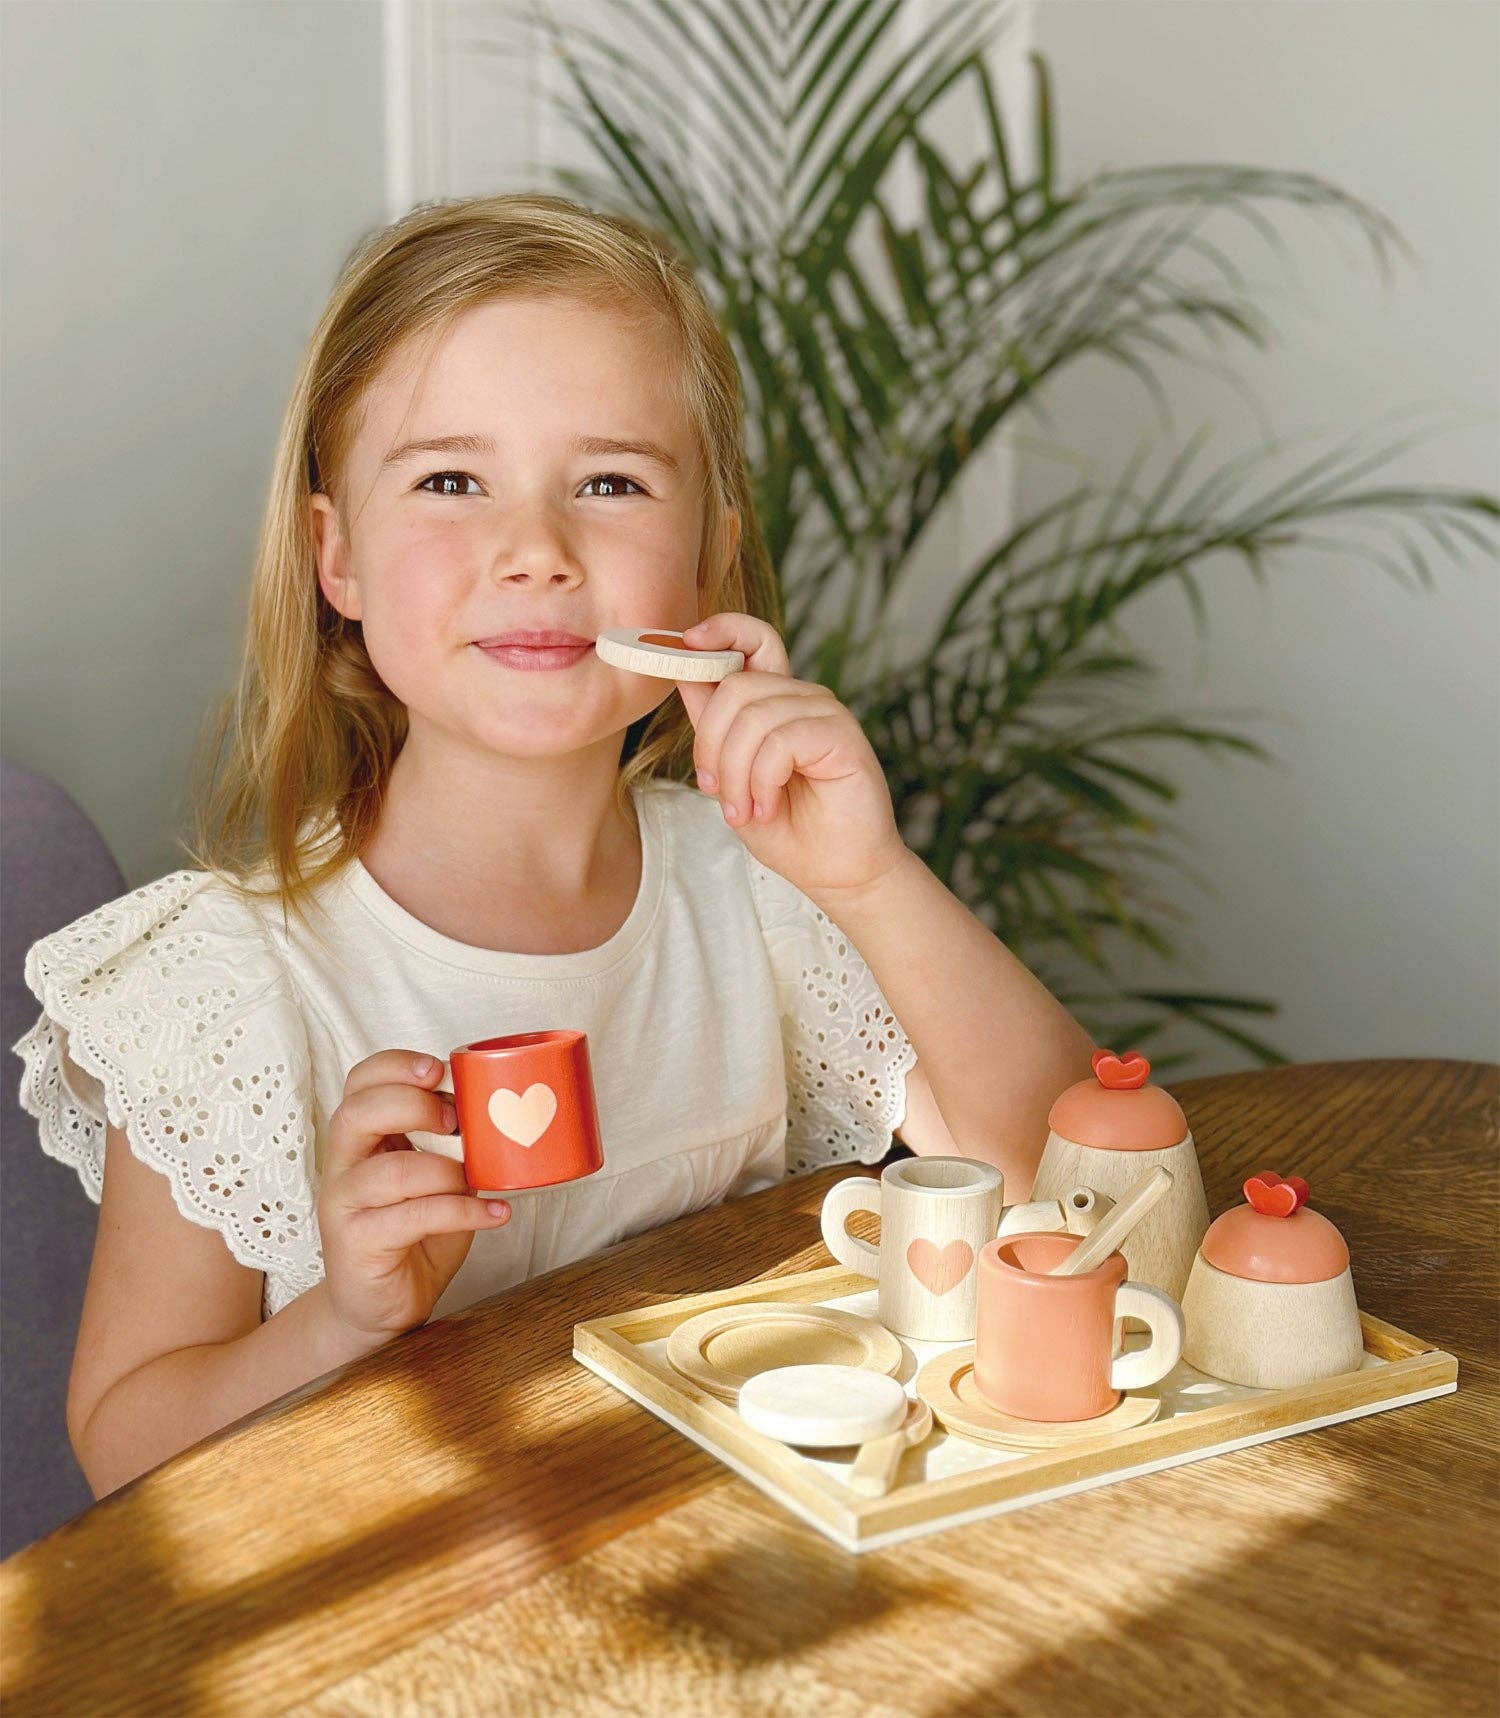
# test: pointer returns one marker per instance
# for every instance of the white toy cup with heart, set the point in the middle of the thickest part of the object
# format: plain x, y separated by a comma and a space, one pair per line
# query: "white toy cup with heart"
935, 1214
526, 1115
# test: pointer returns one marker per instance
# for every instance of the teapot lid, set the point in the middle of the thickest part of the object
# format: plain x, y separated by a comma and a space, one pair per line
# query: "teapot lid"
1116, 1110
1275, 1238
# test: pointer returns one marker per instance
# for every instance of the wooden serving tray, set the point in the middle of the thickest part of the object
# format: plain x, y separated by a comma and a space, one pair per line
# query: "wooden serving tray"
949, 1479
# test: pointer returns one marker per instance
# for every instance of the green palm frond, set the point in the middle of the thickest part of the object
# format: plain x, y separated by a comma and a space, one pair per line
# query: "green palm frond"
894, 304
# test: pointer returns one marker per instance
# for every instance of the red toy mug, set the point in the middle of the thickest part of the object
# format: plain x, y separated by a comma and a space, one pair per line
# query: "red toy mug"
526, 1115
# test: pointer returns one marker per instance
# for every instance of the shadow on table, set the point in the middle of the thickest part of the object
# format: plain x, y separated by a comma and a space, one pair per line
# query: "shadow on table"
576, 1463
1269, 1632
1260, 1631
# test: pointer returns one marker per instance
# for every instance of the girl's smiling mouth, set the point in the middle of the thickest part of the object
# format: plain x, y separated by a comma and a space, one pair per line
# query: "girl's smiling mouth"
535, 649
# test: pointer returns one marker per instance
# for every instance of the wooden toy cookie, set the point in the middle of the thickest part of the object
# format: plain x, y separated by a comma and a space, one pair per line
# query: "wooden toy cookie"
650, 650
822, 1407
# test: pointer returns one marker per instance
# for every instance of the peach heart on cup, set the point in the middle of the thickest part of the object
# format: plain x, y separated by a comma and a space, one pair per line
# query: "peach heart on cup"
939, 1269
1272, 1196
1120, 1073
523, 1117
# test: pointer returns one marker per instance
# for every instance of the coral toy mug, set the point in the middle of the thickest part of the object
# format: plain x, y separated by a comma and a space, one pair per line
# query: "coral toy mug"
526, 1115
1044, 1345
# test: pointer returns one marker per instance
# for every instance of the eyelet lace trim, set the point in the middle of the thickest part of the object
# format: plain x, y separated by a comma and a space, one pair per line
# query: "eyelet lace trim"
176, 1003
847, 1055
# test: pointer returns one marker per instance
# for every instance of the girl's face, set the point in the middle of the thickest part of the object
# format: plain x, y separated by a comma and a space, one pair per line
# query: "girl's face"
573, 504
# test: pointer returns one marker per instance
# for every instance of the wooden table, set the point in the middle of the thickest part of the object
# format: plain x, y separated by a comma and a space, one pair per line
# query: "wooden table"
470, 1522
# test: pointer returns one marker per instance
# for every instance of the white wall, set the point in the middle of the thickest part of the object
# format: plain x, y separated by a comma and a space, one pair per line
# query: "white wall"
1356, 881
181, 183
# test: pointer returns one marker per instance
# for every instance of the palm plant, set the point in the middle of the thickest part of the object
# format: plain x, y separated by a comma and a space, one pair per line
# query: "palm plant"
778, 143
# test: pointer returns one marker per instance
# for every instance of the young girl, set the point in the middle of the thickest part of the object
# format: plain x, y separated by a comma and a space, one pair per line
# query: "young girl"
443, 817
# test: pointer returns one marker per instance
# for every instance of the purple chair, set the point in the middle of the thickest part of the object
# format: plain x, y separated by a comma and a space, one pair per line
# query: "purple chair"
54, 867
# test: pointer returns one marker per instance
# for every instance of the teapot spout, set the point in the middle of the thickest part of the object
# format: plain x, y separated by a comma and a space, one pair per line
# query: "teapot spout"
1084, 1209
1078, 1212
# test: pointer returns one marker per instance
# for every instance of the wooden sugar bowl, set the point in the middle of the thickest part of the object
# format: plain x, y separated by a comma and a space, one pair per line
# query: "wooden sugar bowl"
1270, 1300
1109, 1131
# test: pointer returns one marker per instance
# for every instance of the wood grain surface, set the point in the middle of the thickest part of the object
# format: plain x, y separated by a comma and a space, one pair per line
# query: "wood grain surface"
469, 1521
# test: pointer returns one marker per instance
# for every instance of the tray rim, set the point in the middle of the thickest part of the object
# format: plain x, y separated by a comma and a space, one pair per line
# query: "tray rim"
608, 1346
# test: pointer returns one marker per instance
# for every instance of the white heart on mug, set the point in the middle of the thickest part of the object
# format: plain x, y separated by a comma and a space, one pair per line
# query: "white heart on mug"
523, 1116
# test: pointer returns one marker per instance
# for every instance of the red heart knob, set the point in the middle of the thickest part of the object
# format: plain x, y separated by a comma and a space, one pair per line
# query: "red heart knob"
1272, 1196
1120, 1073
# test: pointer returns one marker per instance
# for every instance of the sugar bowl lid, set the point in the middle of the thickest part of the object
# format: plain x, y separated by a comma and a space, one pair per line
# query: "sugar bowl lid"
1116, 1110
1274, 1237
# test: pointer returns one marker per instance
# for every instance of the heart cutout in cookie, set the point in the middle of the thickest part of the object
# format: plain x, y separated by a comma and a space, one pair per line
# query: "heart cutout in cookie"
523, 1116
1120, 1073
939, 1269
1272, 1196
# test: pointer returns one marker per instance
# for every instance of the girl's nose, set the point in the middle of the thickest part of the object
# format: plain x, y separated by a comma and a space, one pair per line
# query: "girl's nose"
534, 550
537, 572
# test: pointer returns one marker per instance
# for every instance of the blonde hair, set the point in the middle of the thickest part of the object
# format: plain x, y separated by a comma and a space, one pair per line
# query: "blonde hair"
311, 730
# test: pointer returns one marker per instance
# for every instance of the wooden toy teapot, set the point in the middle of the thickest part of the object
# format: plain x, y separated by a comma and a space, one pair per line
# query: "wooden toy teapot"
1109, 1131
1270, 1301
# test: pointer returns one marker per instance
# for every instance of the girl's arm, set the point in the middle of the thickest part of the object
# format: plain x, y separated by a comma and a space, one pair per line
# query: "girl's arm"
994, 1046
171, 1346
796, 776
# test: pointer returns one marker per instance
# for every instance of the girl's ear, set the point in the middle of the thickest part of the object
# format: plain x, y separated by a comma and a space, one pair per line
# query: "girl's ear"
334, 577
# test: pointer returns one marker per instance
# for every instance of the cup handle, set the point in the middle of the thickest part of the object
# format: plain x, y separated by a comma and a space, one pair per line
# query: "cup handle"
858, 1193
1164, 1317
440, 1144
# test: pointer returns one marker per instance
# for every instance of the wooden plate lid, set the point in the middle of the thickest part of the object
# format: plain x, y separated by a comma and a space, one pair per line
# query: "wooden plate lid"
822, 1407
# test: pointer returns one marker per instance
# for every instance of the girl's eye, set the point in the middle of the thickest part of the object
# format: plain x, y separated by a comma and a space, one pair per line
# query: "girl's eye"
443, 477
613, 483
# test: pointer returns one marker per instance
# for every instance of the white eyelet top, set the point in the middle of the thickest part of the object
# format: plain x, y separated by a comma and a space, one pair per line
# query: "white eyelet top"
735, 1035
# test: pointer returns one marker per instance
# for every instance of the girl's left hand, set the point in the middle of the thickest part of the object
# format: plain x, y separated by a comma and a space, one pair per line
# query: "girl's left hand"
794, 774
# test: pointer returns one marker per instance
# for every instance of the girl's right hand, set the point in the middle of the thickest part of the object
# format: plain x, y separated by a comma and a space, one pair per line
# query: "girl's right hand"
396, 1222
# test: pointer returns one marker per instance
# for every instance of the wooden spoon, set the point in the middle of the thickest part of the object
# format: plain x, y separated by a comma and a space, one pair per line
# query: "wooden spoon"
875, 1466
1106, 1238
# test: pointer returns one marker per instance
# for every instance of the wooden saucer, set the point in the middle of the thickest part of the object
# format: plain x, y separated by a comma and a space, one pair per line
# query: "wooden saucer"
720, 1349
946, 1384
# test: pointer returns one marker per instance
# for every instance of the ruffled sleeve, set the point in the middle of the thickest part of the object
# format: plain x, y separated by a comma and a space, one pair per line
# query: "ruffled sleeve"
846, 1054
168, 1013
